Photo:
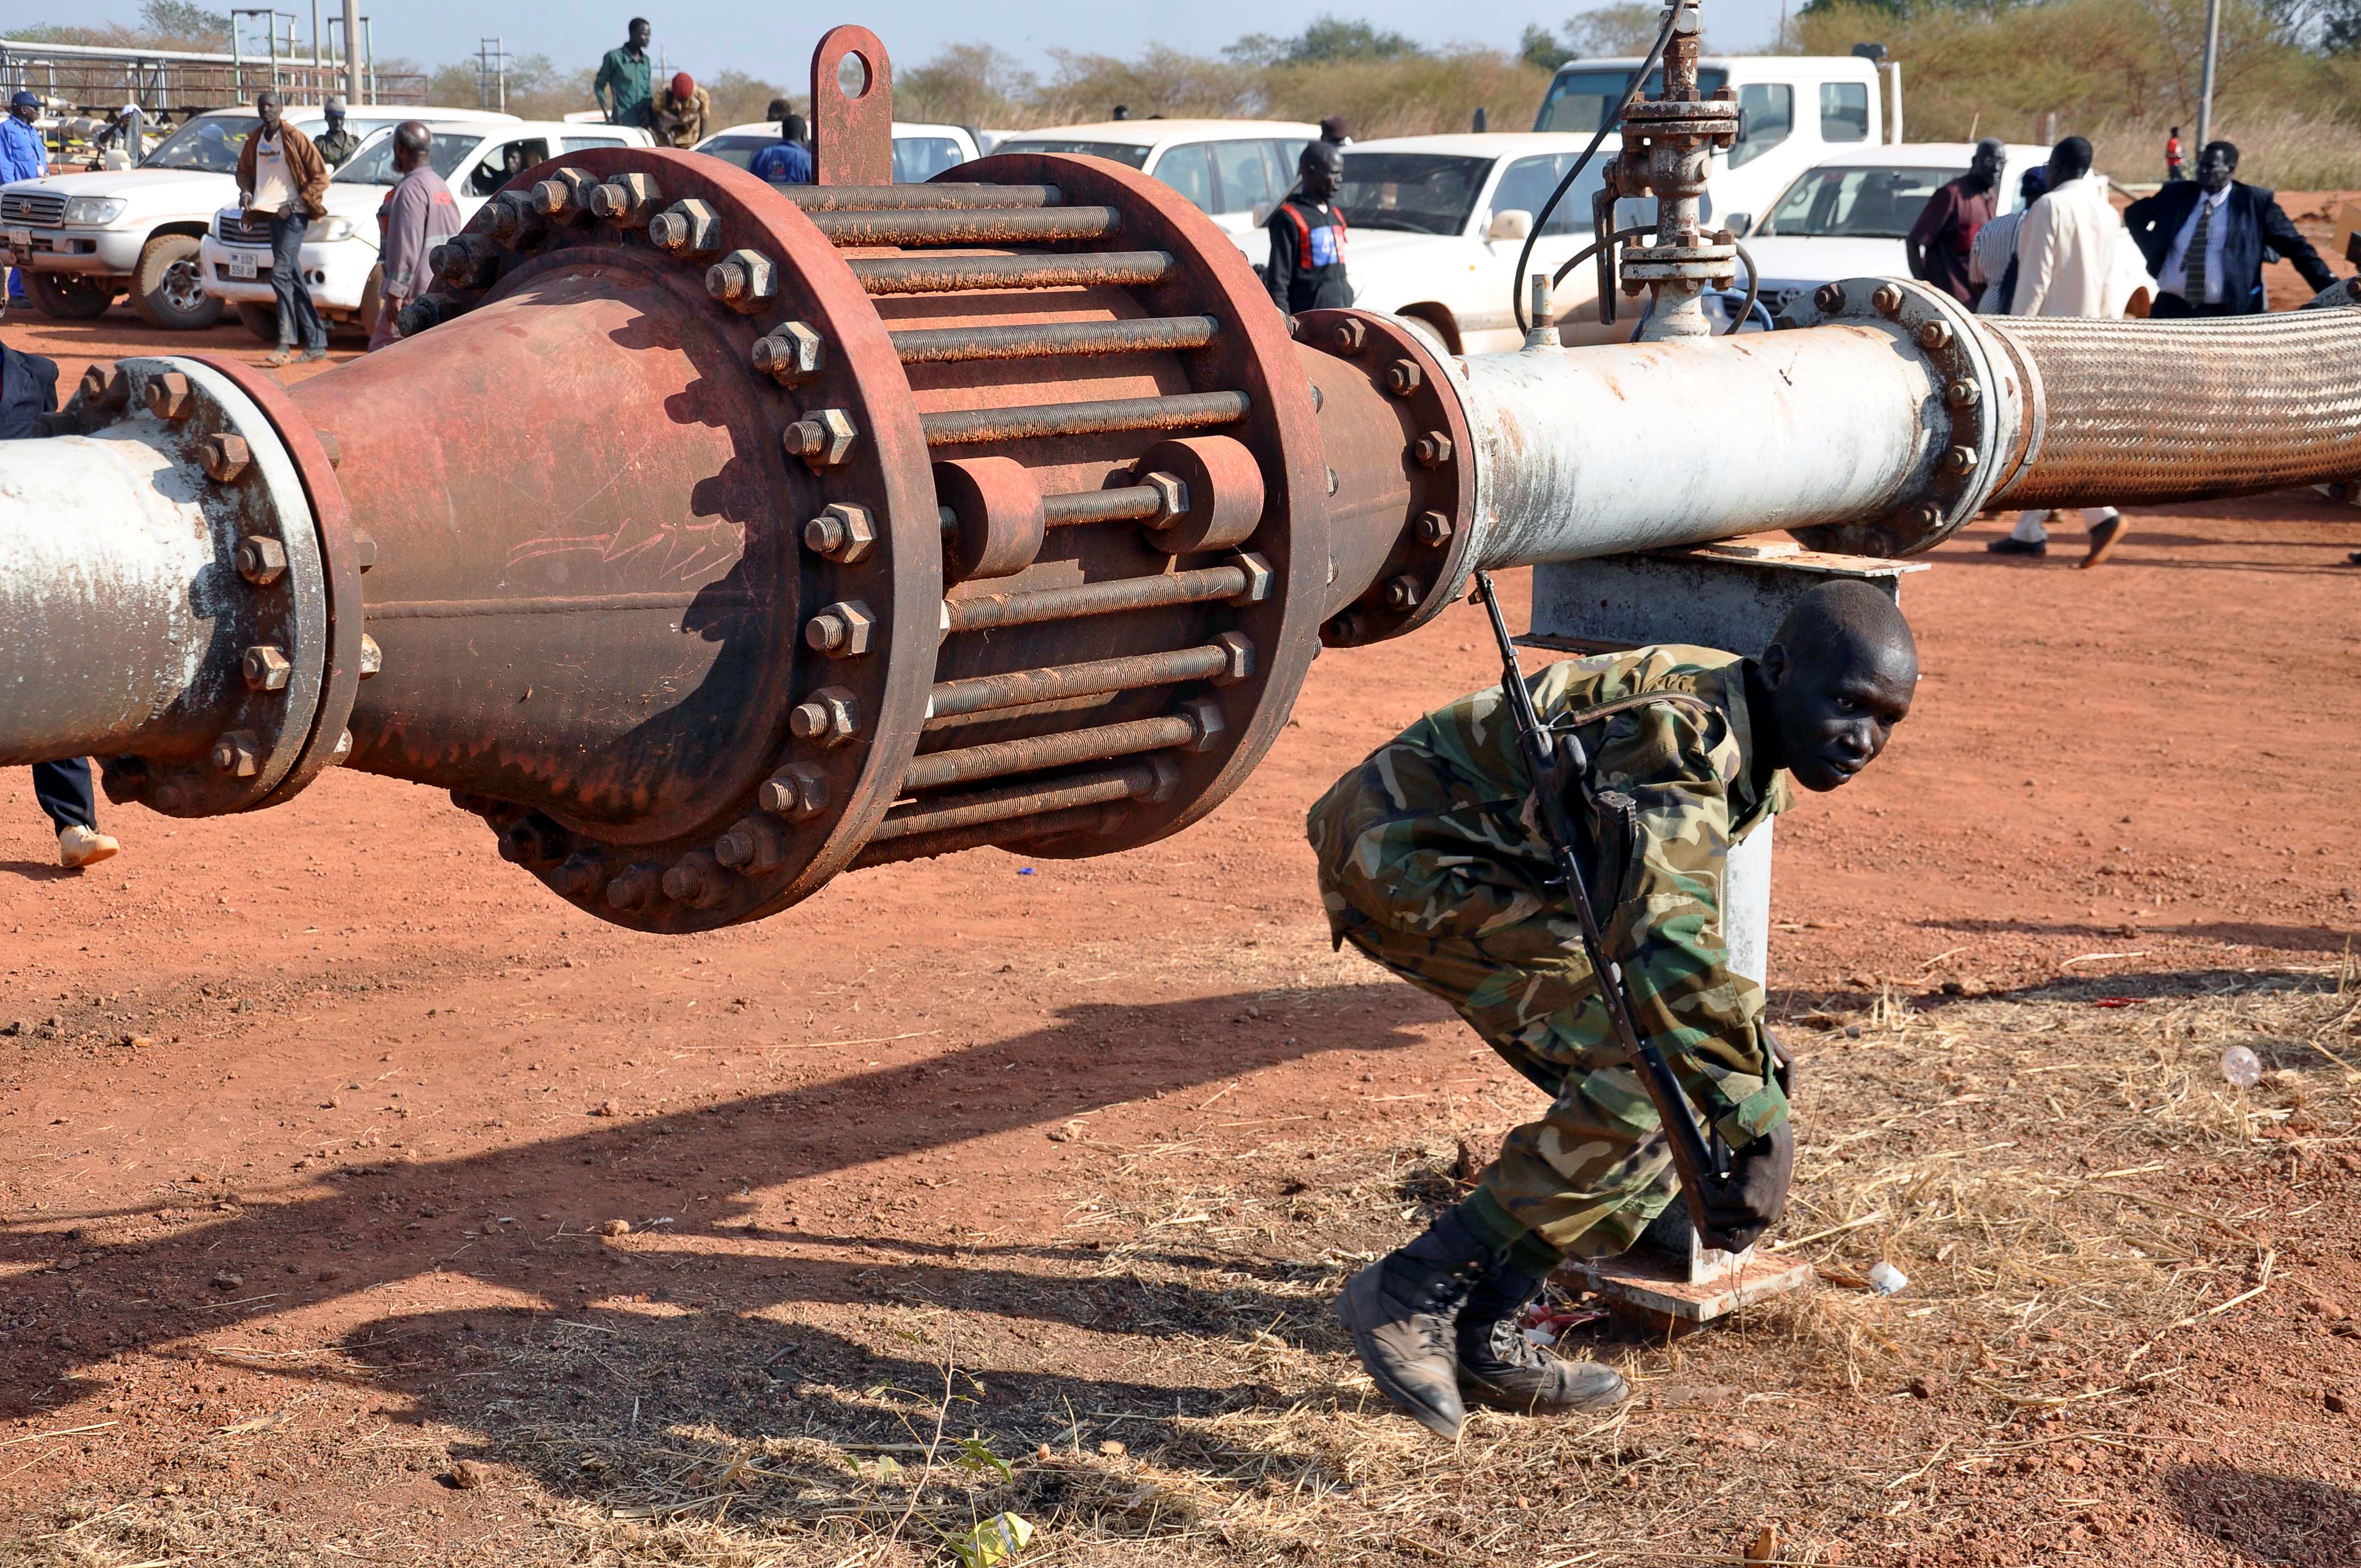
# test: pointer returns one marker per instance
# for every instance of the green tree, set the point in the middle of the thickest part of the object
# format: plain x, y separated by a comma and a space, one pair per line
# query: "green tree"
1328, 41
1608, 31
180, 19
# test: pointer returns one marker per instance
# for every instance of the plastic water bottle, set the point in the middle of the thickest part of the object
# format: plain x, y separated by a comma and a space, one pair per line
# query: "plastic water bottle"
2242, 1066
1888, 1280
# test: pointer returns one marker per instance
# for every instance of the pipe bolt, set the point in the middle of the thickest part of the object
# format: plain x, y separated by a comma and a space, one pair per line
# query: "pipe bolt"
372, 656
842, 533
753, 844
1433, 449
1171, 498
579, 874
1205, 716
1930, 516
744, 280
636, 887
170, 797
564, 196
790, 354
261, 560
823, 439
687, 228
1343, 631
1935, 336
528, 842
1963, 394
1887, 300
1403, 377
797, 792
625, 198
266, 668
1238, 651
1433, 528
1404, 593
830, 716
105, 388
169, 396
237, 754
1830, 297
224, 456
1347, 335
465, 261
697, 880
1260, 578
1960, 460
841, 631
515, 220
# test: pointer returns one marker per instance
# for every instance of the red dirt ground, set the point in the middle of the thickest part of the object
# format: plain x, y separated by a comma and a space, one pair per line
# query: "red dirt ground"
2144, 768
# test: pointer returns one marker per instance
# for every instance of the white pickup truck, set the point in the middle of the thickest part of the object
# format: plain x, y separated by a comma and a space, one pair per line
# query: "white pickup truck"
85, 239
340, 249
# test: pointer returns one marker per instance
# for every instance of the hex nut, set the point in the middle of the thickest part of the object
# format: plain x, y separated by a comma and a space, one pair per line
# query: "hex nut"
1434, 528
1205, 716
237, 754
224, 456
790, 354
636, 887
465, 261
364, 551
106, 386
753, 844
1259, 578
842, 630
1404, 593
1171, 500
1960, 460
526, 843
687, 228
261, 560
579, 874
169, 396
697, 880
1347, 335
1963, 394
266, 668
1238, 658
1830, 297
626, 199
1888, 298
372, 656
842, 533
515, 221
744, 280
830, 716
1344, 630
822, 439
1403, 377
1433, 449
1930, 515
797, 792
565, 195
1935, 336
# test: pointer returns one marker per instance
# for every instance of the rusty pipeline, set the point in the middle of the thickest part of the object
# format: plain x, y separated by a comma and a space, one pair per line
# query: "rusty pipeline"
709, 540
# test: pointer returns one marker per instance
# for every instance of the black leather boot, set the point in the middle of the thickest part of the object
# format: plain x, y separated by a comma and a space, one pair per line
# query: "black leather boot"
1401, 1310
1499, 1367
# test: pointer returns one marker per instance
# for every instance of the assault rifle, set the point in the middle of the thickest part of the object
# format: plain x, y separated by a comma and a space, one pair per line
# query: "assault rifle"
1556, 762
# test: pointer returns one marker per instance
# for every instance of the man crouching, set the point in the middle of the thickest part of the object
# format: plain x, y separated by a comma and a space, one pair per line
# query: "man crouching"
1431, 863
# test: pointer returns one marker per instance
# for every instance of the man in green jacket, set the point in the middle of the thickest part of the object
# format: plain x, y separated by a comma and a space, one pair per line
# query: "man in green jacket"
1431, 863
621, 84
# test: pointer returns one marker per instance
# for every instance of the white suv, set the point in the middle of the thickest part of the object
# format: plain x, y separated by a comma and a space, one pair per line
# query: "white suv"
85, 239
1235, 172
340, 249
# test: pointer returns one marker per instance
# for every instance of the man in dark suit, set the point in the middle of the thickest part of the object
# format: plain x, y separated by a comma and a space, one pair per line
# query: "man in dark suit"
29, 389
2206, 240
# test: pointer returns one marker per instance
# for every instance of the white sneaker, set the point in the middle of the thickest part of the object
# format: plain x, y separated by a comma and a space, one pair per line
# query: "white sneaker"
79, 847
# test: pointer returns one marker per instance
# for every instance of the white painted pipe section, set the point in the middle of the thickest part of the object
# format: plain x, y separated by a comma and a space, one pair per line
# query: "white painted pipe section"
108, 565
1597, 451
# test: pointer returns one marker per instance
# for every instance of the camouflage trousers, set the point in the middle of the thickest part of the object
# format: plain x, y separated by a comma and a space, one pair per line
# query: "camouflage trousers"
1588, 1177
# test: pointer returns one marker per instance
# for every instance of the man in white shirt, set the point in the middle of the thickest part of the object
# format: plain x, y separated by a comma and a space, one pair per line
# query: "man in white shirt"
283, 182
2066, 266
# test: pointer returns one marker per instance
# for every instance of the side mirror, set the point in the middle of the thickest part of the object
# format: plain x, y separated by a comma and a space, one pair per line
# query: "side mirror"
1740, 222
1745, 123
1509, 223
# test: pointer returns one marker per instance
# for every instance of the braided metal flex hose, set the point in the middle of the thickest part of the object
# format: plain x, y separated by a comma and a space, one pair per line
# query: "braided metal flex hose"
2128, 411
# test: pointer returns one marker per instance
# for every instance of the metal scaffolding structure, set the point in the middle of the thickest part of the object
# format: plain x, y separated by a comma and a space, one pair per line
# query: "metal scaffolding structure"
182, 82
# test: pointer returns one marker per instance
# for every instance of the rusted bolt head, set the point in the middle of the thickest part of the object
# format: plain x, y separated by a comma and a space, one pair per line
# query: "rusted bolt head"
266, 669
636, 887
753, 843
1888, 298
823, 438
1830, 296
260, 559
1963, 394
1960, 460
1343, 629
627, 198
1930, 516
169, 396
687, 228
528, 841
224, 455
106, 386
1259, 578
467, 261
697, 880
1347, 335
1935, 335
842, 533
237, 754
1171, 498
170, 797
790, 354
796, 792
1433, 529
743, 280
830, 716
579, 874
1403, 377
515, 220
841, 631
372, 656
1205, 716
1433, 449
1238, 658
364, 551
1404, 593
563, 196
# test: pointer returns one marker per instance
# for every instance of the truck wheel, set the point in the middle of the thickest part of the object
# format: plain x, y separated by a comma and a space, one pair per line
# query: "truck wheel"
68, 296
262, 320
168, 291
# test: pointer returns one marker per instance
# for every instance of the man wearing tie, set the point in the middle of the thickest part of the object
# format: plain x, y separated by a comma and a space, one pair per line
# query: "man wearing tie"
2206, 240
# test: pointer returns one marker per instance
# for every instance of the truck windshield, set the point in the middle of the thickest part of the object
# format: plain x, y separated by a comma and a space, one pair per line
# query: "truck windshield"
1424, 192
373, 165
210, 143
1856, 202
1583, 98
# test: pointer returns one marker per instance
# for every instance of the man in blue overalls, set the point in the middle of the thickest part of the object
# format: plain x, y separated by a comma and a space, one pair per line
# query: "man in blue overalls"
24, 155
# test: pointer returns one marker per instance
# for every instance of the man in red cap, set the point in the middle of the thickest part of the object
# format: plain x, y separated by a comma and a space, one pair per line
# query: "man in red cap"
680, 112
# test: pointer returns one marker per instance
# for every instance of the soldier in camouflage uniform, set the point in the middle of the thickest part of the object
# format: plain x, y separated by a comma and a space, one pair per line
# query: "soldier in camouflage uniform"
1432, 864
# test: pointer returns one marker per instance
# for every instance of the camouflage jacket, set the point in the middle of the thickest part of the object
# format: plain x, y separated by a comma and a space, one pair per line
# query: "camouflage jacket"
1435, 837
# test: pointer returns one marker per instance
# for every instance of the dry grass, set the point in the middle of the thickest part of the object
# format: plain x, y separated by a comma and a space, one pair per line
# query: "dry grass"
1161, 1381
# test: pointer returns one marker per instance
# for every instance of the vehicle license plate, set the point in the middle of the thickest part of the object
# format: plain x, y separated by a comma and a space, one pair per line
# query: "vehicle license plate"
242, 266
20, 240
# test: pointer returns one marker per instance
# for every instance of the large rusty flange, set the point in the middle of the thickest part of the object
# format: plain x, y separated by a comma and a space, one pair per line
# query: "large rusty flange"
756, 764
265, 684
1423, 572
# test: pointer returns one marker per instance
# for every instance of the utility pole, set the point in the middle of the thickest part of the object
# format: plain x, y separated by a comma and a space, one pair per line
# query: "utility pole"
2213, 63
353, 52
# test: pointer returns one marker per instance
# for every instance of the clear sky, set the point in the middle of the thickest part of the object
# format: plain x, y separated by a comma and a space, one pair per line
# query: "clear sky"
765, 41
